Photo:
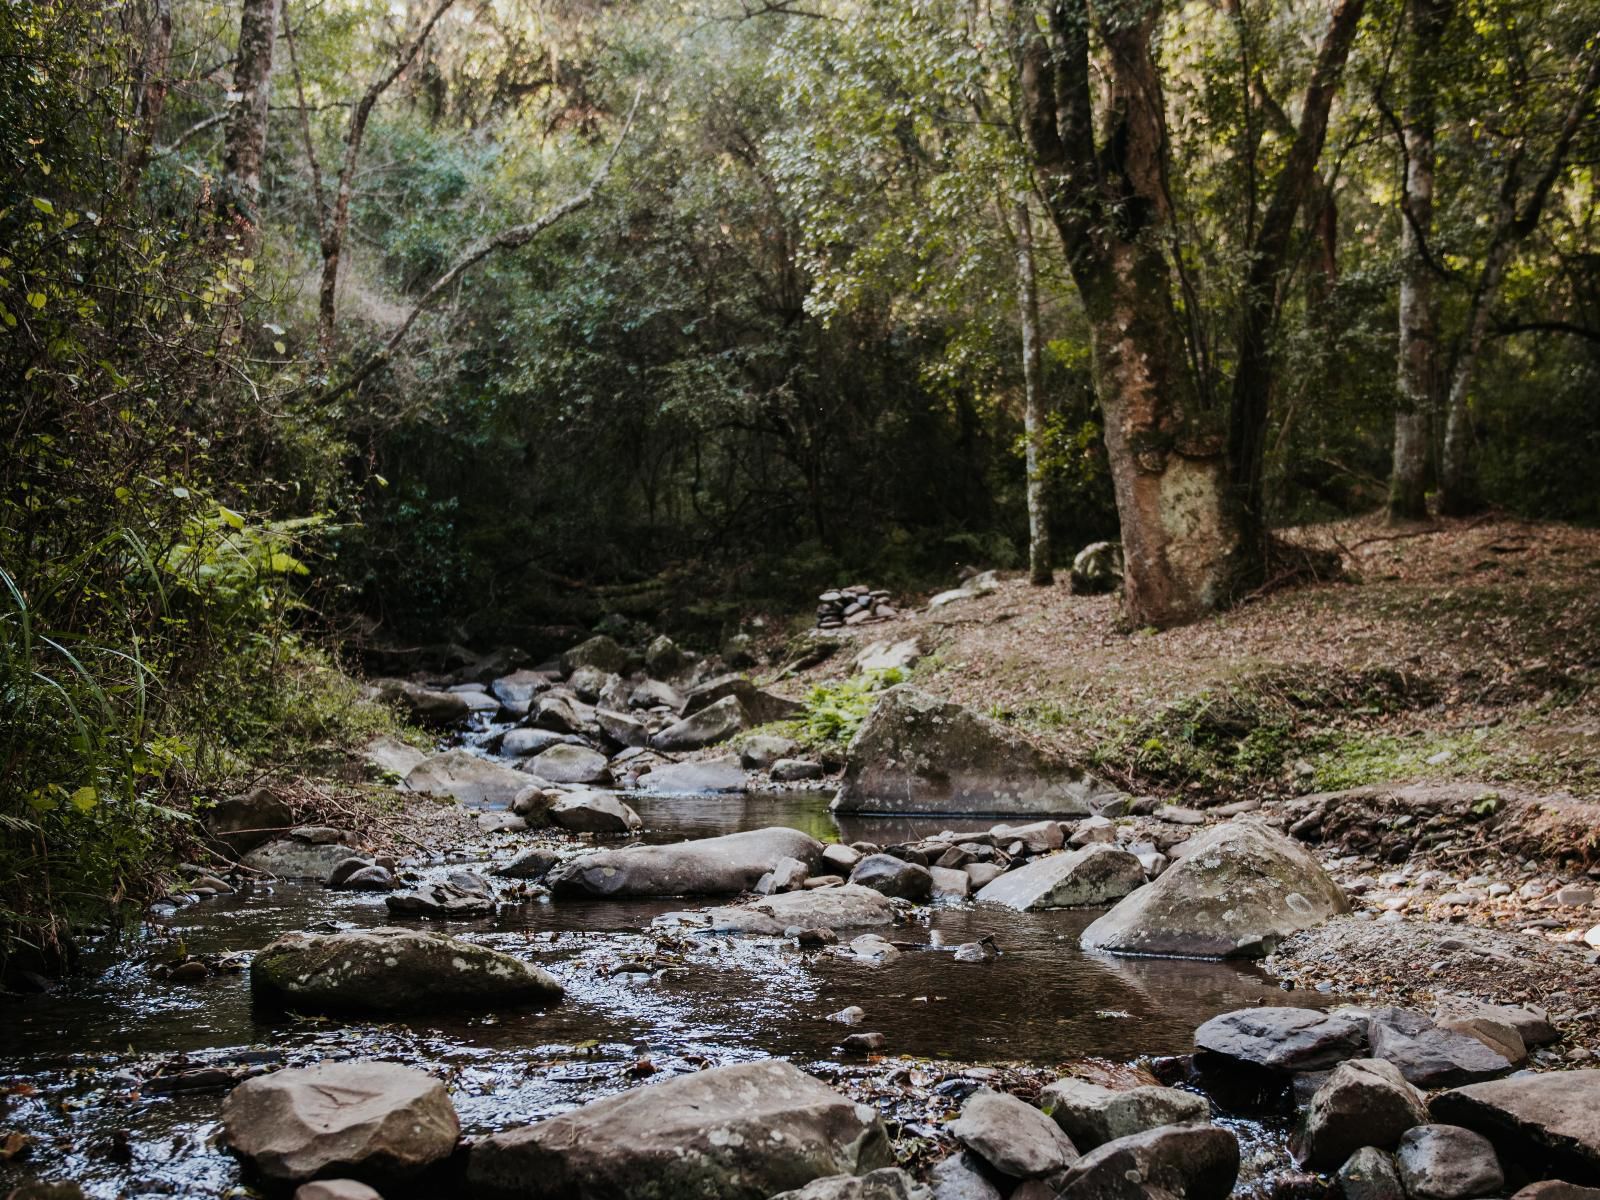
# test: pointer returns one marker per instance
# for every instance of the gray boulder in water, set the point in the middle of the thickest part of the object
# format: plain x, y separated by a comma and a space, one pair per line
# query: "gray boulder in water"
1096, 874
743, 1132
718, 866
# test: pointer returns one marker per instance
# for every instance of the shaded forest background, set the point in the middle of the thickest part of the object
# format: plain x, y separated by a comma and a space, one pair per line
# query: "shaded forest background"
780, 348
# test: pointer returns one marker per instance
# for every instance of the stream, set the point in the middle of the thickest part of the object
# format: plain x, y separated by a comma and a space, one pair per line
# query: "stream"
73, 1063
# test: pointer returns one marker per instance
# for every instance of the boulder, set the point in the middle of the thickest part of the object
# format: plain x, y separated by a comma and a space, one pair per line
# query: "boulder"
743, 1132
294, 858
1370, 1174
570, 764
918, 754
335, 1189
1464, 1013
423, 705
1283, 1039
594, 812
889, 656
762, 707
392, 972
725, 865
1096, 569
620, 729
1431, 1055
886, 1183
1365, 1102
653, 693
1091, 876
950, 883
963, 1177
534, 802
664, 658
357, 874
1556, 1189
1012, 1136
836, 856
893, 877
696, 778
823, 908
1239, 889
1092, 1115
563, 713
517, 690
760, 752
1039, 837
715, 723
531, 864
797, 770
524, 742
243, 822
1551, 1118
599, 652
468, 778
377, 1120
391, 756
1447, 1162
461, 896
1195, 1162
589, 683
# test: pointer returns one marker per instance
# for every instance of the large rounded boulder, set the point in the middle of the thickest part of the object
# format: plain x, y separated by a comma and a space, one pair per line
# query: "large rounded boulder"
717, 866
1239, 890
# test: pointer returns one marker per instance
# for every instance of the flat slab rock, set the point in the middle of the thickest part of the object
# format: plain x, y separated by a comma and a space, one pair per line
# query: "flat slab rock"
1238, 890
916, 753
391, 971
851, 906
1094, 875
377, 1120
1197, 1162
467, 778
696, 778
719, 866
1284, 1039
1552, 1117
744, 1132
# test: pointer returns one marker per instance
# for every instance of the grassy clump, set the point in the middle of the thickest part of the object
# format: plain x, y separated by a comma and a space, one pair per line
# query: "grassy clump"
834, 711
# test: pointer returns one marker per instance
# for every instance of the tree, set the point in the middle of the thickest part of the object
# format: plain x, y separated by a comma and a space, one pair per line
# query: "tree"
246, 141
1189, 484
1034, 406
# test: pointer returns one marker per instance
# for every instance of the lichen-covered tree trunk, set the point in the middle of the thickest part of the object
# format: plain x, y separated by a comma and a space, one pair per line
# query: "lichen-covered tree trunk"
1458, 476
1040, 569
245, 146
1418, 361
154, 80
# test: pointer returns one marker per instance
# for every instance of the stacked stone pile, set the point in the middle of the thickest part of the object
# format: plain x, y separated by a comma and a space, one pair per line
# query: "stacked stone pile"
853, 605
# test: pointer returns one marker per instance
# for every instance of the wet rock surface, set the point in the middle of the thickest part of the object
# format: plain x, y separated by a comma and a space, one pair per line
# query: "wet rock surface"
725, 865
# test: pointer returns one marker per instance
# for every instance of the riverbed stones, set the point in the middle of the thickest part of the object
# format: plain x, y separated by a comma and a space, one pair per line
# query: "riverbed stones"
709, 776
460, 896
1283, 1039
1556, 1189
1240, 888
1365, 1102
761, 706
517, 690
797, 770
742, 1132
1447, 1162
1430, 1055
565, 763
531, 864
391, 756
1371, 1174
886, 1183
391, 971
1196, 1162
1093, 875
563, 712
426, 706
654, 693
250, 819
715, 723
893, 877
373, 1120
760, 752
524, 742
916, 753
594, 812
1552, 1117
467, 778
357, 874
725, 865
297, 858
336, 1189
1092, 1115
601, 652
824, 908
1012, 1136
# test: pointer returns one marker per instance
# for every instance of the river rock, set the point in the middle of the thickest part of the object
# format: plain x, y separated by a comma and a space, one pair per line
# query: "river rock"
590, 683
599, 652
725, 865
531, 864
594, 812
1196, 1162
1556, 1189
570, 764
886, 1183
653, 693
696, 778
742, 1132
916, 753
1012, 1136
837, 856
797, 770
762, 707
1092, 1115
1239, 889
534, 802
243, 822
664, 658
391, 756
715, 723
1038, 837
1283, 1039
1430, 1055
962, 1176
950, 884
1370, 1174
356, 874
390, 971
293, 858
1462, 1012
1447, 1162
524, 742
517, 690
1365, 1102
467, 778
889, 656
1091, 876
377, 1120
1551, 1118
893, 877
335, 1189
759, 752
423, 705
463, 896
823, 908
620, 729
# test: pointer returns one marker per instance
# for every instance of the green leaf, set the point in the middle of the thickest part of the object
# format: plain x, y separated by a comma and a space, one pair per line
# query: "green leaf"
84, 799
43, 205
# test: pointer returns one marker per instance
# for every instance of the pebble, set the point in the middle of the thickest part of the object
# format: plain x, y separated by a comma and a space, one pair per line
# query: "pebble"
853, 1015
862, 1043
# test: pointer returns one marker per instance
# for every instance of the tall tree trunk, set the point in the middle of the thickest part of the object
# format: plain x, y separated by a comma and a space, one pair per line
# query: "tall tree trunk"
154, 80
1418, 374
1040, 569
246, 144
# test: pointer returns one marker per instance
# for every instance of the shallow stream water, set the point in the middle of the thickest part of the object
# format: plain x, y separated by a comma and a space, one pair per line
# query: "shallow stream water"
73, 1064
